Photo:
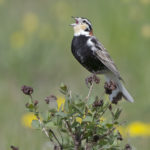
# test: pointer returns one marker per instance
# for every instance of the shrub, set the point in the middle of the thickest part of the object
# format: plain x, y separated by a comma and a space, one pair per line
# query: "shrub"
79, 124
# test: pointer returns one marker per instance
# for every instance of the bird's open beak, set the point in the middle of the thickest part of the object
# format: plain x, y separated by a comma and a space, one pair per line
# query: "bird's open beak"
76, 21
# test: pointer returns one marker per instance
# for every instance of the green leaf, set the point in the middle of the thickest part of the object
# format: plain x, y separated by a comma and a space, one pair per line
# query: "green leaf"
45, 115
61, 114
80, 111
50, 125
63, 88
117, 113
91, 100
35, 124
87, 119
109, 125
30, 107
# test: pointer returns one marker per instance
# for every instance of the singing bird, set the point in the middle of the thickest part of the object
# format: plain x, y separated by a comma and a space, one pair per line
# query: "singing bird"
92, 55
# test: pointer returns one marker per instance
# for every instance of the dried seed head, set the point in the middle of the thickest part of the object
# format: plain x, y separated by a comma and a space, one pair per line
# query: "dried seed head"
117, 98
109, 87
127, 147
36, 102
96, 138
110, 107
13, 147
27, 105
89, 80
119, 136
27, 90
98, 103
96, 79
50, 98
56, 147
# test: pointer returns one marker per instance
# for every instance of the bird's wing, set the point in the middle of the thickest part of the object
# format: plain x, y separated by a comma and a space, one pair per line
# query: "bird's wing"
102, 54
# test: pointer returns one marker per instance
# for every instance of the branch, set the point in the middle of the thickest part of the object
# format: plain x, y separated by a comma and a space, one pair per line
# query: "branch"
44, 129
61, 147
76, 141
90, 91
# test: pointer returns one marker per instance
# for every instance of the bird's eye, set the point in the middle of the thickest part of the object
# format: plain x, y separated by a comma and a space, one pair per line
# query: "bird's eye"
84, 21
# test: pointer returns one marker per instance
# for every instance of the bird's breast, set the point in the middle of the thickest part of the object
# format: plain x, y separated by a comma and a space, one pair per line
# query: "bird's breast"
85, 56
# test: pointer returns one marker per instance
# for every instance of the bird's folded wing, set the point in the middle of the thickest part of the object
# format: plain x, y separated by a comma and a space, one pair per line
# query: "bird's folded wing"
102, 54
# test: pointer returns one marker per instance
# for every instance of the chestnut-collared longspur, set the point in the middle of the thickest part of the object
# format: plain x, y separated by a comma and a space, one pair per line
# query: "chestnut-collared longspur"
91, 54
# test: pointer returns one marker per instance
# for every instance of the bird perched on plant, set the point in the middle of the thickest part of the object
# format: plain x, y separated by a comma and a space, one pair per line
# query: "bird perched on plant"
91, 54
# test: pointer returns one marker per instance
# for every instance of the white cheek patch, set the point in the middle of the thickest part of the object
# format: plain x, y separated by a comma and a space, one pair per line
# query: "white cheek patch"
81, 32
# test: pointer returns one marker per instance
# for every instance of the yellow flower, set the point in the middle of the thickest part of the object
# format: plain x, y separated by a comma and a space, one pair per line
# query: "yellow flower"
145, 1
27, 119
1, 2
17, 39
30, 22
138, 129
145, 31
78, 119
102, 119
60, 102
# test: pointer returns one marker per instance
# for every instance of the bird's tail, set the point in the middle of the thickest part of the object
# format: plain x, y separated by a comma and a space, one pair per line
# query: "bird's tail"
119, 88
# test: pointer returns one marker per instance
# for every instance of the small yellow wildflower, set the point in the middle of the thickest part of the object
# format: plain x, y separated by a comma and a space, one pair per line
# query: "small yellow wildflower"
102, 119
145, 31
60, 102
1, 2
138, 129
30, 22
78, 119
145, 1
27, 119
17, 39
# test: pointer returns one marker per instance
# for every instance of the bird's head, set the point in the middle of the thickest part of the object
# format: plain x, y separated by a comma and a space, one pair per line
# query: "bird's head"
82, 26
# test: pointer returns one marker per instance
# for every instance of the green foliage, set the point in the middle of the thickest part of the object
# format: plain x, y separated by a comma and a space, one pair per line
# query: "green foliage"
66, 132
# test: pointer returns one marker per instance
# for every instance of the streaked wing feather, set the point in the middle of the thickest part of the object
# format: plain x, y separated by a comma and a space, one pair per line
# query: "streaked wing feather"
105, 58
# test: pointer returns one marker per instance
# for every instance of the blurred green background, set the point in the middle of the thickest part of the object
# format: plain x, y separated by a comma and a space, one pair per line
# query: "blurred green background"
35, 41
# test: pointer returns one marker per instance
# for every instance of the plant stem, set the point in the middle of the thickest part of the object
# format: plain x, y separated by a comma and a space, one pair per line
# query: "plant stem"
77, 142
61, 147
90, 91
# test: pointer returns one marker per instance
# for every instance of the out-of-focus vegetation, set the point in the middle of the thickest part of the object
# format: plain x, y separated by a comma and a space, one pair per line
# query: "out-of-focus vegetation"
35, 39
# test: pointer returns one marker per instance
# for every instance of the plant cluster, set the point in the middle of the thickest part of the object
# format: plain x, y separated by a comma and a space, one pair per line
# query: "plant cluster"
63, 129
